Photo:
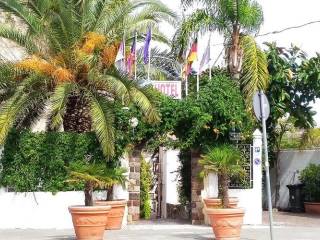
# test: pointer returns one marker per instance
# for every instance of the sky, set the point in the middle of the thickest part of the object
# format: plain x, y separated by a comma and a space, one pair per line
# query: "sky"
278, 14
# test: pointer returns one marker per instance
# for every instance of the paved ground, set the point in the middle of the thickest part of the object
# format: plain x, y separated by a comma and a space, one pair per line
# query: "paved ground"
288, 227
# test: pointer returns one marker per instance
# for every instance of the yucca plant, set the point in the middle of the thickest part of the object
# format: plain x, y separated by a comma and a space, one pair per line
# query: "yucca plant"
227, 162
95, 176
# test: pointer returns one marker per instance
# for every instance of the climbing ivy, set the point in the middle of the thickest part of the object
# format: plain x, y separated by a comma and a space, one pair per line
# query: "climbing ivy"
145, 188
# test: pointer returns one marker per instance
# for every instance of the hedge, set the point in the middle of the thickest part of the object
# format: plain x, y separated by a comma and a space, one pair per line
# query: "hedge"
37, 162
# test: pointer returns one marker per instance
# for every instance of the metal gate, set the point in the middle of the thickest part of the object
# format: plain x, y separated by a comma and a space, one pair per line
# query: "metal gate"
247, 181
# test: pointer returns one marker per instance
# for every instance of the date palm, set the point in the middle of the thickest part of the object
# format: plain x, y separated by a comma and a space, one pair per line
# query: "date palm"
236, 20
69, 69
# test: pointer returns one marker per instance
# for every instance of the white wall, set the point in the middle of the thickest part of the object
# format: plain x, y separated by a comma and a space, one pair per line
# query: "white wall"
169, 165
38, 210
172, 165
292, 162
249, 199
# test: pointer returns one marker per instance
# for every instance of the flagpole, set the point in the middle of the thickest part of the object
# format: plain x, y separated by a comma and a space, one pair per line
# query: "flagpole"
149, 57
135, 56
124, 51
210, 71
186, 84
198, 73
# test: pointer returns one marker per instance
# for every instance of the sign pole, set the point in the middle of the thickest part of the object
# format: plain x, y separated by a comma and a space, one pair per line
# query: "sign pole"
265, 145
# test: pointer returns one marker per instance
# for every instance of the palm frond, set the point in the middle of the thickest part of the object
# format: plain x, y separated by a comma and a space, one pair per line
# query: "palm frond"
19, 10
58, 103
102, 122
255, 75
22, 39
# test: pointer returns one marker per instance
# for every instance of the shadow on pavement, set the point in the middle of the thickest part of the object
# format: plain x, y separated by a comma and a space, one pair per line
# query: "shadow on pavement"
61, 238
193, 236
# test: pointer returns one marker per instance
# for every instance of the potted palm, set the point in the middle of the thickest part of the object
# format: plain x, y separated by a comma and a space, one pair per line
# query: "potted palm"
115, 216
89, 221
310, 177
226, 161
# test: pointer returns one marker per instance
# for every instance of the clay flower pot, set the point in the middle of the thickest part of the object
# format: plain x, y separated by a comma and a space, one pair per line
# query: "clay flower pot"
116, 214
226, 223
217, 202
89, 222
312, 207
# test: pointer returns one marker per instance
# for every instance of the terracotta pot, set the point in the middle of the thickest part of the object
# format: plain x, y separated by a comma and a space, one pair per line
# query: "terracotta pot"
312, 207
116, 214
226, 223
217, 202
89, 222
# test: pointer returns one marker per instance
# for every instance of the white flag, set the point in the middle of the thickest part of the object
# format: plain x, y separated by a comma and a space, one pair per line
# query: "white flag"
120, 58
205, 59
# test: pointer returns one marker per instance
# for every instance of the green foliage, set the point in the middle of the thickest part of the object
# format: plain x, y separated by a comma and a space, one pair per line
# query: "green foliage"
255, 75
227, 161
145, 188
98, 174
207, 120
71, 48
294, 82
310, 139
223, 160
38, 161
310, 176
184, 180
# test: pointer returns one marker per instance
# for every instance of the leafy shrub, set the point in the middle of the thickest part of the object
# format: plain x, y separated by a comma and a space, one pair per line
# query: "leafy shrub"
310, 176
145, 187
38, 161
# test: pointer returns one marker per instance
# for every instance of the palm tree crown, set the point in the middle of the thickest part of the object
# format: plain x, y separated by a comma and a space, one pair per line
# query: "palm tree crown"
71, 46
235, 19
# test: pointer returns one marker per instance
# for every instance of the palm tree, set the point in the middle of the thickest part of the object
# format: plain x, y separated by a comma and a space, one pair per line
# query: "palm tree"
69, 69
235, 20
227, 162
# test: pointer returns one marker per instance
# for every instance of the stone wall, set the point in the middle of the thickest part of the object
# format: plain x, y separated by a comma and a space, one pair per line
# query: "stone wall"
134, 186
197, 216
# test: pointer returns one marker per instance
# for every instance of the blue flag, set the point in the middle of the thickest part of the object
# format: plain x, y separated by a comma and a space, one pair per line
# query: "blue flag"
146, 47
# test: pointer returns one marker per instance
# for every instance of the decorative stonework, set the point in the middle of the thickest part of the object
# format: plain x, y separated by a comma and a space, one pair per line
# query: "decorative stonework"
134, 186
197, 216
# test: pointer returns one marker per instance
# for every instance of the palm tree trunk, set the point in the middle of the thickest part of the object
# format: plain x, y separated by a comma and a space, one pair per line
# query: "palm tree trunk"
77, 117
224, 186
88, 194
235, 53
110, 193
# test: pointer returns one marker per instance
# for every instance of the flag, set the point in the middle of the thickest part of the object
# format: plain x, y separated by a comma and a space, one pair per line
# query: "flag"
193, 54
120, 58
186, 70
146, 47
205, 59
131, 58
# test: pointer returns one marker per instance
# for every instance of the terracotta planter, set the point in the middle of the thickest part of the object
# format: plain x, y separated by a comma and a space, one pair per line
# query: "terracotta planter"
217, 202
312, 207
89, 222
226, 223
116, 214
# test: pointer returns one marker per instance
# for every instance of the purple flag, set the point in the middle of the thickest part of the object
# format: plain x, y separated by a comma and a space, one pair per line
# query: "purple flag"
146, 47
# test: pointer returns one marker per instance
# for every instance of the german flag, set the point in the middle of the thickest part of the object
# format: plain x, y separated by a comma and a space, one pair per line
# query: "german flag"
193, 54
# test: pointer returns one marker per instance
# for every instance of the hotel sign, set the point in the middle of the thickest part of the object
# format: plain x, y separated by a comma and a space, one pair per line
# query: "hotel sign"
169, 88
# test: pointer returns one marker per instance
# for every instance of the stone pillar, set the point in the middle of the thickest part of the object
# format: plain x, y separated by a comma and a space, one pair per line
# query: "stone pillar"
197, 216
134, 186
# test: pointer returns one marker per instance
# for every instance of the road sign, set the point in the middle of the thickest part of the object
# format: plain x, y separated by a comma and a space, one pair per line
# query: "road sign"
258, 97
262, 111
